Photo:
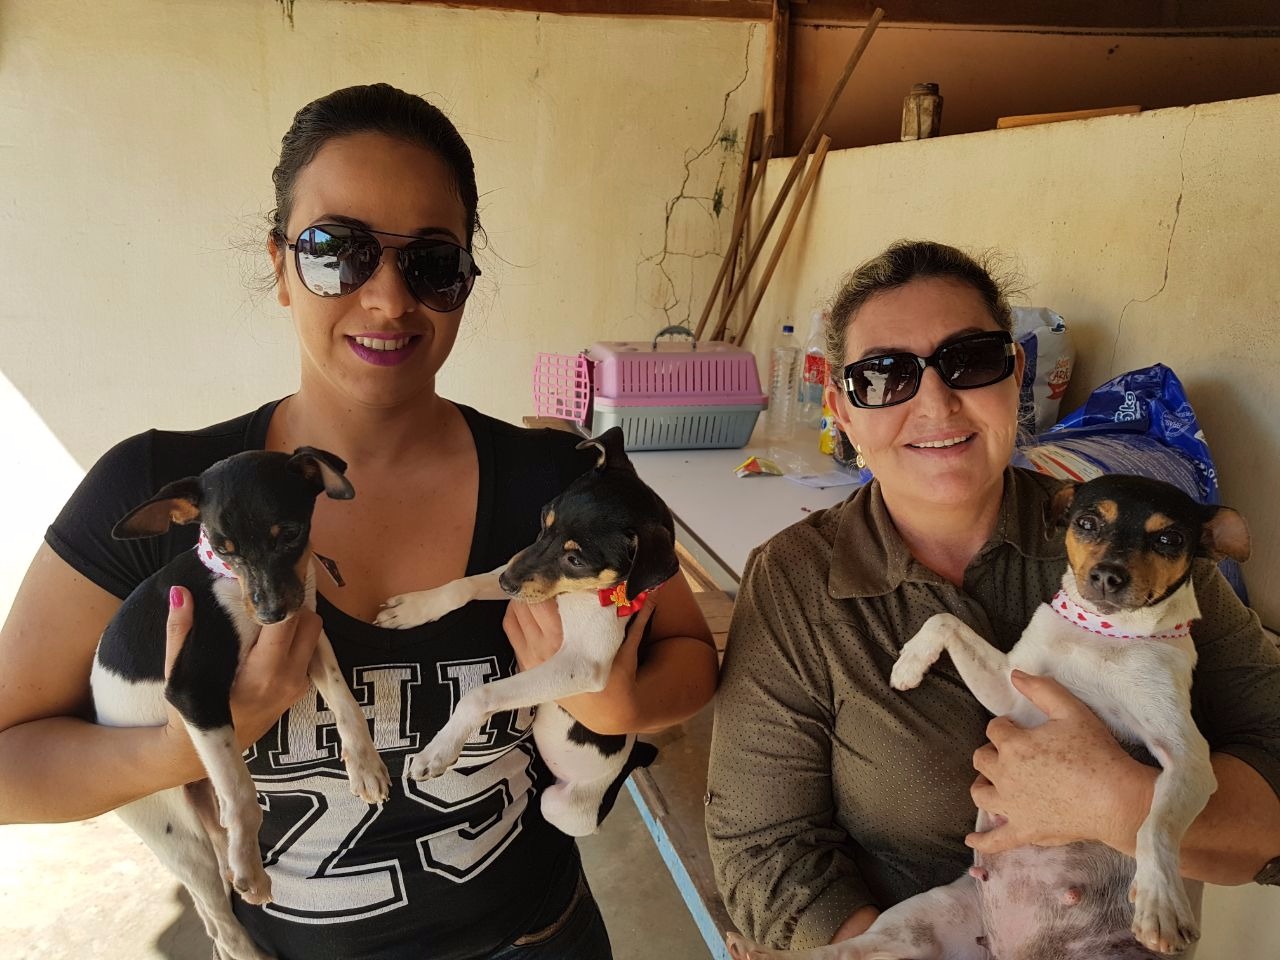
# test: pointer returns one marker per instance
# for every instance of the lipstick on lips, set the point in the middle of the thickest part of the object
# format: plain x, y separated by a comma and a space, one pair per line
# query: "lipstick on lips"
383, 349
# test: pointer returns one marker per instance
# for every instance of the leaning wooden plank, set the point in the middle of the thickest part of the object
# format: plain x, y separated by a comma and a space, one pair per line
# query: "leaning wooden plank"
806, 185
746, 190
794, 172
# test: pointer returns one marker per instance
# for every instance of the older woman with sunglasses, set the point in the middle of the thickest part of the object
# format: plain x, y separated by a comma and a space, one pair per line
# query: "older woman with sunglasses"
832, 796
371, 247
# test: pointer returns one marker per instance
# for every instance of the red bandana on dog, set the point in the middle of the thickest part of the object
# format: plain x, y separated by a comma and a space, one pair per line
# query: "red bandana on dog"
1086, 619
617, 597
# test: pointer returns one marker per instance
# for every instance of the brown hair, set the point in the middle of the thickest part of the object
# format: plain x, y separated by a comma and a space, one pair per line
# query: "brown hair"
374, 108
904, 261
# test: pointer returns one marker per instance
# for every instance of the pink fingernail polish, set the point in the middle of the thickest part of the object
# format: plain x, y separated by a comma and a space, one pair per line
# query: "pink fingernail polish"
175, 597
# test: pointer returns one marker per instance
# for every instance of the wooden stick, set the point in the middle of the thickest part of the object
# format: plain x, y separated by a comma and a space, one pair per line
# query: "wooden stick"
739, 224
810, 177
744, 175
794, 172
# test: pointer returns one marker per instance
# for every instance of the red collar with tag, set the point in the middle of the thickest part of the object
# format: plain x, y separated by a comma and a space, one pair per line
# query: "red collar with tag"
1086, 619
616, 596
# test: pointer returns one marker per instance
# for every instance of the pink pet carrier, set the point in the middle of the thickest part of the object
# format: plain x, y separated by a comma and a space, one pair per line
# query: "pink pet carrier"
665, 395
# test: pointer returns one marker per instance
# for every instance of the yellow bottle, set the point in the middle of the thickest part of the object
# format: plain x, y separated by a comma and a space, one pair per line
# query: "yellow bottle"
827, 431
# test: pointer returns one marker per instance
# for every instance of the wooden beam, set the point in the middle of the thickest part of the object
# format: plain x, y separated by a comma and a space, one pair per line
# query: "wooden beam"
1244, 17
1220, 17
777, 47
758, 10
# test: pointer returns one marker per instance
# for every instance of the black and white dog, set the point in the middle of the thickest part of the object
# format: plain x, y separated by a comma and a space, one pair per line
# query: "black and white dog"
1118, 636
606, 541
252, 567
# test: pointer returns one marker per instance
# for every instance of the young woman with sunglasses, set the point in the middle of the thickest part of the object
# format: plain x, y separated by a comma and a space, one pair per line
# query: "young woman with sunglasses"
833, 796
370, 244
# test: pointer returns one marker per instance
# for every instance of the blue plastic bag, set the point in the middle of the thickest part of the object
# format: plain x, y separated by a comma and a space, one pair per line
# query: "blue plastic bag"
1141, 422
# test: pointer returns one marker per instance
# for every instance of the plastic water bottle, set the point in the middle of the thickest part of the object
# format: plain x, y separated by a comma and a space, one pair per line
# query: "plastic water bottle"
784, 381
813, 375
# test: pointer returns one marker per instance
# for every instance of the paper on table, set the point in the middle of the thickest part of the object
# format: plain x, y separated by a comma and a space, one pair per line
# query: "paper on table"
832, 478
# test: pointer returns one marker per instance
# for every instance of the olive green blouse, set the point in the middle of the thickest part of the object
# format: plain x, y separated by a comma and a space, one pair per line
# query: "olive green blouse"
829, 790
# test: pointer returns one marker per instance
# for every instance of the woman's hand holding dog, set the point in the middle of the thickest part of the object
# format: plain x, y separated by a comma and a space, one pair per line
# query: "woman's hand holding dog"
272, 678
535, 633
1065, 780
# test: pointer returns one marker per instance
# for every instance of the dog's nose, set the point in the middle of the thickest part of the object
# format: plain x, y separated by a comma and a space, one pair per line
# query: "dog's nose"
1109, 577
271, 614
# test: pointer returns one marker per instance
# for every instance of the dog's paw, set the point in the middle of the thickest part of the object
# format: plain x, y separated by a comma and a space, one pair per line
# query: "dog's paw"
918, 654
406, 610
433, 760
236, 945
1162, 916
743, 949
367, 775
252, 884
912, 665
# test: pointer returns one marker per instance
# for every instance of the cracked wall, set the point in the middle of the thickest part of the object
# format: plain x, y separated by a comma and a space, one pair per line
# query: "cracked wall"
698, 219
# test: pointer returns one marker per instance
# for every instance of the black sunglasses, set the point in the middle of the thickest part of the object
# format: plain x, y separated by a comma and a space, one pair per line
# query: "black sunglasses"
966, 363
335, 259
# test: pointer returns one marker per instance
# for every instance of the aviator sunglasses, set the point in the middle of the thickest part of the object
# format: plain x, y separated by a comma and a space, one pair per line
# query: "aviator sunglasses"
966, 363
335, 259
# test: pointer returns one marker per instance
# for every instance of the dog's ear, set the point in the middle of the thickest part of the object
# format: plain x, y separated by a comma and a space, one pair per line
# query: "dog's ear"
1225, 534
324, 470
611, 450
653, 560
1055, 511
177, 502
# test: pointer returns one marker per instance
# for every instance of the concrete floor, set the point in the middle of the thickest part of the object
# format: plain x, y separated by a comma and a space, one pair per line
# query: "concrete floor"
92, 891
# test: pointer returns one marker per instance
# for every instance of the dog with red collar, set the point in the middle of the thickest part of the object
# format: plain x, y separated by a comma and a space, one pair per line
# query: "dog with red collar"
606, 543
1118, 636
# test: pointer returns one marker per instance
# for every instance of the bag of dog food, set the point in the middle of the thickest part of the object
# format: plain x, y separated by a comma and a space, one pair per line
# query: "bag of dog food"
1141, 422
1050, 356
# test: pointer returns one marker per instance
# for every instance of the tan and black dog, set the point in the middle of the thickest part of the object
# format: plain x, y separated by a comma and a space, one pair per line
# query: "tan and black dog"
606, 541
251, 567
1118, 636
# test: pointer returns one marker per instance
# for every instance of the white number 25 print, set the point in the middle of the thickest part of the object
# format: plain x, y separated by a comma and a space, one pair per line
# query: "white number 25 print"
477, 810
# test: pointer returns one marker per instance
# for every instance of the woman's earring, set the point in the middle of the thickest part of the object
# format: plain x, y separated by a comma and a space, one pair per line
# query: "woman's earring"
858, 458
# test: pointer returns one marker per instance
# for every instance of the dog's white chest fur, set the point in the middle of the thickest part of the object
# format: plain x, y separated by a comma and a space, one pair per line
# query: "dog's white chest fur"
1118, 678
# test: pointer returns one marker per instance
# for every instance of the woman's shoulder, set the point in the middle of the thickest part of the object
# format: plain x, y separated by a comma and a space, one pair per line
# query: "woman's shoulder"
125, 476
800, 555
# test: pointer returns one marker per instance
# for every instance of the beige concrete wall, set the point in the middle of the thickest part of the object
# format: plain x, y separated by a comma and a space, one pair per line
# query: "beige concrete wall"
1154, 235
136, 144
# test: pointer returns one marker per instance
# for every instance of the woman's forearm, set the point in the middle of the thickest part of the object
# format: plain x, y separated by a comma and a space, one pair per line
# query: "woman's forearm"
677, 681
1235, 835
63, 768
677, 678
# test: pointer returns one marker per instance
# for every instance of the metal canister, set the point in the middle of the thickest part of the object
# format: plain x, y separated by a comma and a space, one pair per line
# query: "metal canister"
922, 112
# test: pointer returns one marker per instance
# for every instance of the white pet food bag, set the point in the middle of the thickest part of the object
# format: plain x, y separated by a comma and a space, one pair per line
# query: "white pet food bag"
1050, 356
